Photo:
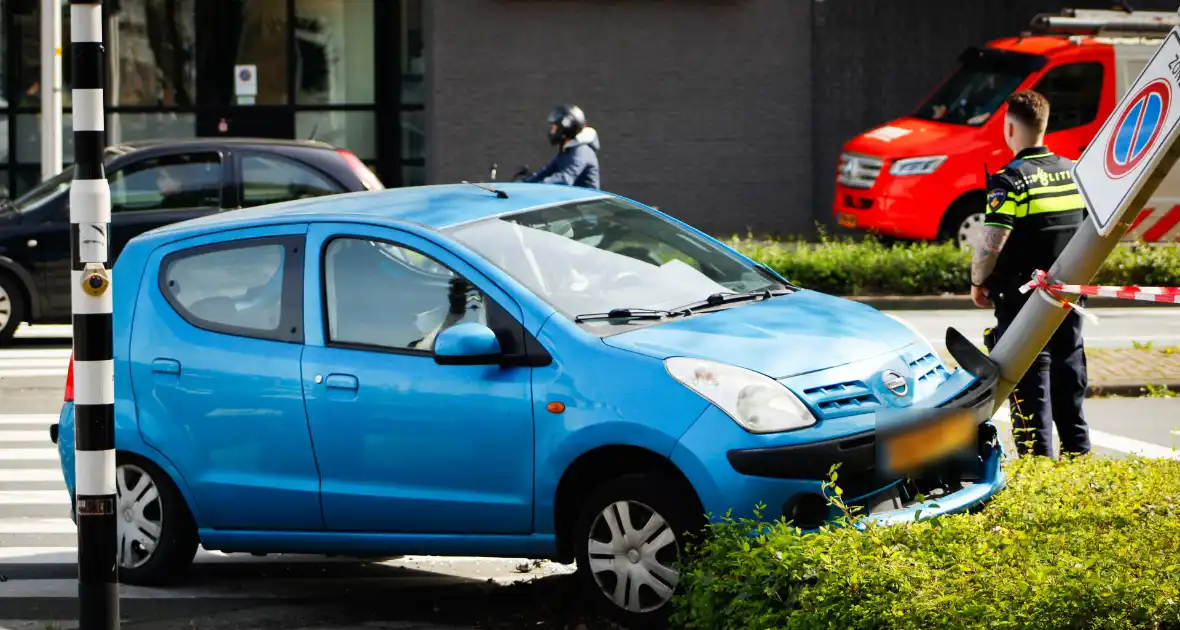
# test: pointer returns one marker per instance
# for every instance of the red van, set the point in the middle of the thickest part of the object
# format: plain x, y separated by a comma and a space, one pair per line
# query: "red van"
921, 177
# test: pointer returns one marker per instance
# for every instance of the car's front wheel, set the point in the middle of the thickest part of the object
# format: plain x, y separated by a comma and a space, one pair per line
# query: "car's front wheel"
157, 536
12, 308
630, 535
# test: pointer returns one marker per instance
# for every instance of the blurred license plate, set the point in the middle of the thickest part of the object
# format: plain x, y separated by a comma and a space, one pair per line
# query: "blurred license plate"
847, 219
929, 441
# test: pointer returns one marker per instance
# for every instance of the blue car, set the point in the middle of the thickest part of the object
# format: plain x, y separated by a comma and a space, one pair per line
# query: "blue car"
535, 371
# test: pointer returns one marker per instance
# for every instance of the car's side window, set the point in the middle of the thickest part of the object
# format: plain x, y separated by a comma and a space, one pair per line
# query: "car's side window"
249, 288
1073, 92
168, 182
380, 295
271, 179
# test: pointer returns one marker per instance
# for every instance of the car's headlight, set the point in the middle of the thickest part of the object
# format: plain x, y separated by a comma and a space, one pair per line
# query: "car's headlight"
917, 166
758, 403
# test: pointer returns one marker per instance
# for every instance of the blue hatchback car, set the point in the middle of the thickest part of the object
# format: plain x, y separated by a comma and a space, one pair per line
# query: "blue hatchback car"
535, 371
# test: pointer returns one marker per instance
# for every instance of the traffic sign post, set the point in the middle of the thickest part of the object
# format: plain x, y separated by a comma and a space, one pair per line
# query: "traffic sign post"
1118, 173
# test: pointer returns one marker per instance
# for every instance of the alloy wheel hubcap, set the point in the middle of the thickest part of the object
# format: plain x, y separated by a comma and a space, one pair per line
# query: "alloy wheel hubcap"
5, 308
142, 515
632, 552
970, 229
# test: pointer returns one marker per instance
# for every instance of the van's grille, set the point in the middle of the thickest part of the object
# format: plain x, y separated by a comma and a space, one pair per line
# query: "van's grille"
842, 399
858, 171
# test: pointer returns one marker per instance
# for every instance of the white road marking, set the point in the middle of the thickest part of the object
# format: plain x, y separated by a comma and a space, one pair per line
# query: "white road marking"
37, 437
37, 525
1105, 440
28, 418
25, 475
35, 497
28, 454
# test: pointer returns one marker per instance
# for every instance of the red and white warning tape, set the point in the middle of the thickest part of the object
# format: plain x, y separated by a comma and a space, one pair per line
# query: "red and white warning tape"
1053, 292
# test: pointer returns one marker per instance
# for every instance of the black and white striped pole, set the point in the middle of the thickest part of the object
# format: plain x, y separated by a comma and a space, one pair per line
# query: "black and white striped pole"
94, 378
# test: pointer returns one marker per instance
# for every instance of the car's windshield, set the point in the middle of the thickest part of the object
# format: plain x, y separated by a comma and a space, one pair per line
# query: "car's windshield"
977, 89
44, 191
601, 255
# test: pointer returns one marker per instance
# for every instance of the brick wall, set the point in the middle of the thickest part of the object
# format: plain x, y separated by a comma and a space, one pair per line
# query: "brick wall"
703, 106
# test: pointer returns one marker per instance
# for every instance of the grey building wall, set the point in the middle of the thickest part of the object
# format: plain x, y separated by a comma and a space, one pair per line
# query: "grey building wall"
703, 106
729, 114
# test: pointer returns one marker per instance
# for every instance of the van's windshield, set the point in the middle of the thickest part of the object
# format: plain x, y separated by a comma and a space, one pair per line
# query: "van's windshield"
977, 89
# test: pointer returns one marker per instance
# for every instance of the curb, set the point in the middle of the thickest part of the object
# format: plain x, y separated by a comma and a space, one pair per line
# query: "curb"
963, 302
1127, 390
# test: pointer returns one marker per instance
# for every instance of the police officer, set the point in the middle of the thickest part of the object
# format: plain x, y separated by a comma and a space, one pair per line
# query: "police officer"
576, 162
1033, 209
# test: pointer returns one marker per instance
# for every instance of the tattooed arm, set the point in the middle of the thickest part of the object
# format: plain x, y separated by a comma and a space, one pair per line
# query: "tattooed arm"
987, 251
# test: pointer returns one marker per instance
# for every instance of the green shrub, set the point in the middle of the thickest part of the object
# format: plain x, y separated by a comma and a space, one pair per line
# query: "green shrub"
1082, 543
846, 267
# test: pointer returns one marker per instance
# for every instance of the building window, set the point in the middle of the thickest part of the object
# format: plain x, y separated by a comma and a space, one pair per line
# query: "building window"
151, 54
334, 52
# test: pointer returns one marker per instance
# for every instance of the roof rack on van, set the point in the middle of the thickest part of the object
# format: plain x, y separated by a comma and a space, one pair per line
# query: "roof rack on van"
1100, 22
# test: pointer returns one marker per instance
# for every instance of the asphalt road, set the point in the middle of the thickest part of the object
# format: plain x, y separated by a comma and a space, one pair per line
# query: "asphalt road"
1116, 328
38, 539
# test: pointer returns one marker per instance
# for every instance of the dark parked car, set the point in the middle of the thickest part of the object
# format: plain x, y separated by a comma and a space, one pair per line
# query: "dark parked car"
155, 183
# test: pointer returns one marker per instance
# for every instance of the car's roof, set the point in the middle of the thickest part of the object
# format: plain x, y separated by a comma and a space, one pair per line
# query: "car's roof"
436, 207
133, 145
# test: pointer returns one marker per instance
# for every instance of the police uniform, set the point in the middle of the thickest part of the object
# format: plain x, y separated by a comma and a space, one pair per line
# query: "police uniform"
1036, 198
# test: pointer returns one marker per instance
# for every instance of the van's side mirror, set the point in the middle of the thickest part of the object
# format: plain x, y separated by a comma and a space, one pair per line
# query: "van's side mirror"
468, 343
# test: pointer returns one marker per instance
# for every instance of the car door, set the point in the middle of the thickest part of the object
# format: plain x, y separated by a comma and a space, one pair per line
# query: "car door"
404, 444
146, 193
215, 372
272, 178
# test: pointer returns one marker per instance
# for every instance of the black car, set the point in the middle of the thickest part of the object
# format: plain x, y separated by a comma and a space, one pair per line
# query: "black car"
155, 183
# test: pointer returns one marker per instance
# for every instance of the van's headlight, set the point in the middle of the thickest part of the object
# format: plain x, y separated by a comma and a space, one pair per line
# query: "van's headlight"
759, 404
917, 165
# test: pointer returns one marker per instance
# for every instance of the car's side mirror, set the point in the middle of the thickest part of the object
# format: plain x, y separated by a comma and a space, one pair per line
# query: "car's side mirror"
467, 343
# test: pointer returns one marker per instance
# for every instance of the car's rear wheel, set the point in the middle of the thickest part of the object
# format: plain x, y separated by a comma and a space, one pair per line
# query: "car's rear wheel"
157, 535
630, 535
12, 308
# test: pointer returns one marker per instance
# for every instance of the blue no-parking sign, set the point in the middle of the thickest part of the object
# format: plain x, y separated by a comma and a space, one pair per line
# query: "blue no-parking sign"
1135, 136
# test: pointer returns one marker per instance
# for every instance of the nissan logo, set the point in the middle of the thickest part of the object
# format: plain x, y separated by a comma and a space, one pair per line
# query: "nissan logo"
895, 383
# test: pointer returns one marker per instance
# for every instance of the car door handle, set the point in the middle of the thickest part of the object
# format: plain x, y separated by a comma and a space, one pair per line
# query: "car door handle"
166, 366
342, 381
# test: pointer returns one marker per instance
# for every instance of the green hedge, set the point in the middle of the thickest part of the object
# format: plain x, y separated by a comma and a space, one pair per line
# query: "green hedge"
1085, 543
871, 268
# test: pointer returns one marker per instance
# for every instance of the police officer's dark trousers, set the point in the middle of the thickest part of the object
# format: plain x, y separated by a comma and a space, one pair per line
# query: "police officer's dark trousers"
1053, 389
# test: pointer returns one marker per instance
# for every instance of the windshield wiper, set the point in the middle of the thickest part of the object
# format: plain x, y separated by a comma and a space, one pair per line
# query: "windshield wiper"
626, 313
718, 299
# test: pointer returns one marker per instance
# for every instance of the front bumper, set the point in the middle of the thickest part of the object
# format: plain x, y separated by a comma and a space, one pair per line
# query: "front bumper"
733, 472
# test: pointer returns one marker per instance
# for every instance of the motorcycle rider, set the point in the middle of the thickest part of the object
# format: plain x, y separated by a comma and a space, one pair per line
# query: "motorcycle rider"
576, 162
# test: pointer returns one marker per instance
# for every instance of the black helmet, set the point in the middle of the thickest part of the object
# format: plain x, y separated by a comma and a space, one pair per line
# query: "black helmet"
570, 121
